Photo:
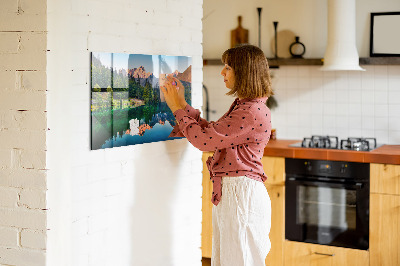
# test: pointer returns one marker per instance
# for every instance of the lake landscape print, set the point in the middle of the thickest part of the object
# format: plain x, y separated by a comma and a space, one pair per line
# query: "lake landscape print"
127, 104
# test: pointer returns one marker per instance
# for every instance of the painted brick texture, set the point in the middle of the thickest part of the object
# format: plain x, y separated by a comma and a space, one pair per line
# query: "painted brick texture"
134, 205
23, 132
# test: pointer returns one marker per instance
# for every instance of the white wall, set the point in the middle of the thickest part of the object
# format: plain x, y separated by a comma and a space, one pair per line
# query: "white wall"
23, 133
134, 205
306, 19
311, 102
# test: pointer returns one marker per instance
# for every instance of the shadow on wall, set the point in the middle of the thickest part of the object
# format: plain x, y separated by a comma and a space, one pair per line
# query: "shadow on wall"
154, 204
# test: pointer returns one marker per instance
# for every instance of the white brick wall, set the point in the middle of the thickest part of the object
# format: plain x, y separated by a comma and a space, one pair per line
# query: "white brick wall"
23, 132
134, 205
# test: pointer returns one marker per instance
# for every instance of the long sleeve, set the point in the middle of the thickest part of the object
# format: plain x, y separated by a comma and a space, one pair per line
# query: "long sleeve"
193, 113
230, 131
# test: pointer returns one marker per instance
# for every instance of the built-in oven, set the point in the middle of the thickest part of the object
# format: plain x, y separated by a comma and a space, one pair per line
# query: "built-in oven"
327, 202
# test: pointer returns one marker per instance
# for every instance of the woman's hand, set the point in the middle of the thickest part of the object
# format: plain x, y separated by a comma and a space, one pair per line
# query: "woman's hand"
181, 92
173, 95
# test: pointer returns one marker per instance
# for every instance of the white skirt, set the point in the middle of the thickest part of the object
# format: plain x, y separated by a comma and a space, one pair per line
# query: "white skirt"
241, 223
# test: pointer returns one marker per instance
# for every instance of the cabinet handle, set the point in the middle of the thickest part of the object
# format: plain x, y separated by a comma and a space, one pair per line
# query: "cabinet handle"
324, 254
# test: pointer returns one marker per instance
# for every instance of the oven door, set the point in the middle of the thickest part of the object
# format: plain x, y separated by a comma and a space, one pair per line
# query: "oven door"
327, 213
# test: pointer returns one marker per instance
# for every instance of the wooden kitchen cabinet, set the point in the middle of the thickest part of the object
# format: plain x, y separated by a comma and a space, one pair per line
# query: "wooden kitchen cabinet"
277, 233
385, 178
385, 215
274, 168
305, 254
384, 236
206, 225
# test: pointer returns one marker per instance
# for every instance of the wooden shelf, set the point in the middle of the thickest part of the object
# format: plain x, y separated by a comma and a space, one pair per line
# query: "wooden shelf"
274, 63
380, 61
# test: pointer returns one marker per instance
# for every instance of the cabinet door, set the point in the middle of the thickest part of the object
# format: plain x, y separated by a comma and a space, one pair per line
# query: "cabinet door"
277, 233
206, 232
384, 230
274, 168
385, 178
304, 254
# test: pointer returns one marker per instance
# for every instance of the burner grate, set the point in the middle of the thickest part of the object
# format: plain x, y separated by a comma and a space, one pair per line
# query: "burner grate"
327, 142
358, 144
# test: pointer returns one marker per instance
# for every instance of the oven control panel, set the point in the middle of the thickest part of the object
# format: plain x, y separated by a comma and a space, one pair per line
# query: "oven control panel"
338, 169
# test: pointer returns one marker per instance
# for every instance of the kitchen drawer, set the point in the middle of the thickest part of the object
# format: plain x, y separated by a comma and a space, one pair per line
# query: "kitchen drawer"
305, 254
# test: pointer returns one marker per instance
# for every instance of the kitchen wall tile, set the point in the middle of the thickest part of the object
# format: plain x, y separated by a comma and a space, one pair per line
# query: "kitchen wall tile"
394, 110
292, 82
367, 122
367, 133
354, 80
394, 137
381, 110
317, 121
365, 99
315, 72
329, 122
316, 82
342, 80
381, 136
304, 72
394, 71
355, 122
380, 84
380, 71
394, 97
367, 81
291, 71
305, 95
367, 96
394, 83
342, 109
317, 131
342, 133
394, 123
355, 96
317, 107
304, 108
342, 96
355, 109
304, 82
367, 110
329, 109
329, 93
342, 122
328, 74
317, 95
381, 97
355, 132
381, 123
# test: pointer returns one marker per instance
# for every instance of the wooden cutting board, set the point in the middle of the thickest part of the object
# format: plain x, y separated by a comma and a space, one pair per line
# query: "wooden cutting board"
239, 35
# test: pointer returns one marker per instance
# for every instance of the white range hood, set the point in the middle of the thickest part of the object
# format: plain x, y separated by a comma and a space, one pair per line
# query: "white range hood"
341, 51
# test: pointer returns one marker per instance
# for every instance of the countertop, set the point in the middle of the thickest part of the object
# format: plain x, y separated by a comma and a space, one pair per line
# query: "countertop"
389, 154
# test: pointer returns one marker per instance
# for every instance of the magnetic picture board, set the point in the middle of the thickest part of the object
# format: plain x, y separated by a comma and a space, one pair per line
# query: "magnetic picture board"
127, 105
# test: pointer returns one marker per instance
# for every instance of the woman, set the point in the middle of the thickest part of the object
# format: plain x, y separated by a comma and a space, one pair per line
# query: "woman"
242, 208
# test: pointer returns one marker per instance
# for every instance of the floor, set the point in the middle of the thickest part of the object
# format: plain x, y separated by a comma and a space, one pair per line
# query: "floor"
206, 261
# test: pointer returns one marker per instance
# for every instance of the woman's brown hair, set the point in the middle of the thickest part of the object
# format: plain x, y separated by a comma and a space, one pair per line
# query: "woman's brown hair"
250, 66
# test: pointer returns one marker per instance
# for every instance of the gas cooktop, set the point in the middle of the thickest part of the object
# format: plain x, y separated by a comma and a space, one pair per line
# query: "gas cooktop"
332, 142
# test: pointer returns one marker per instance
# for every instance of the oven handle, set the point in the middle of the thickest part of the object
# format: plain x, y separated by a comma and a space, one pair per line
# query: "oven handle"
357, 185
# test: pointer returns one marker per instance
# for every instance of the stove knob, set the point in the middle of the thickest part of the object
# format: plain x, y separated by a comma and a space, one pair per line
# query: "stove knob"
308, 166
343, 168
